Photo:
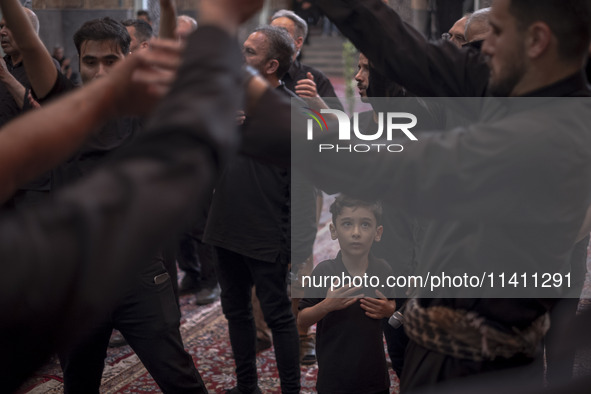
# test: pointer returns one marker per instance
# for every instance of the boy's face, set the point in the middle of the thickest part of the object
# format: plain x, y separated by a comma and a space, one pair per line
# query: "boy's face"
356, 230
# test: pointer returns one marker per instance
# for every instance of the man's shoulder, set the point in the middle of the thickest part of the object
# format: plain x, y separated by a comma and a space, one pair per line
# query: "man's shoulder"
300, 70
283, 89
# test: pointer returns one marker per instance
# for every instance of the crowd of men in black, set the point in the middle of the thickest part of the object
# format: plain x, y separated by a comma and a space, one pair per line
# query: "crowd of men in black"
100, 182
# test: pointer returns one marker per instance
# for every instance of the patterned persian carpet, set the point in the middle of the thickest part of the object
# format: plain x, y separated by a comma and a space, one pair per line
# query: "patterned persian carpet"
205, 335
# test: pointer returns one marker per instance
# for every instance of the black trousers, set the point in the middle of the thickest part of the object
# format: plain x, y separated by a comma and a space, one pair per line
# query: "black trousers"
196, 259
149, 319
236, 275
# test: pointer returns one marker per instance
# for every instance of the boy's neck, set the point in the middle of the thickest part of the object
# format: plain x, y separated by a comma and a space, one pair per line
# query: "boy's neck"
355, 265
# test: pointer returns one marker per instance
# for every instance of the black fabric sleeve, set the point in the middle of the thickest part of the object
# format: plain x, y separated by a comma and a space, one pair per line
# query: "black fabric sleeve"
62, 85
399, 51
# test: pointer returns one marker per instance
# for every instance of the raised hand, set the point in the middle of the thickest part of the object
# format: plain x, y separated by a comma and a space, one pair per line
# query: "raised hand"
306, 87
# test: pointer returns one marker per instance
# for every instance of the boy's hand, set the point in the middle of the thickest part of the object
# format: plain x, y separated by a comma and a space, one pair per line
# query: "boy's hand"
378, 308
341, 298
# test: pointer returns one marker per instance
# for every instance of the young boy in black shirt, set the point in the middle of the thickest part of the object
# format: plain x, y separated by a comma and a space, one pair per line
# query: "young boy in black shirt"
349, 340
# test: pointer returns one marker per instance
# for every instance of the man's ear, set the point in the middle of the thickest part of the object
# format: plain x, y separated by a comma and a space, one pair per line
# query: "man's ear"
145, 45
333, 232
299, 42
379, 232
272, 66
539, 39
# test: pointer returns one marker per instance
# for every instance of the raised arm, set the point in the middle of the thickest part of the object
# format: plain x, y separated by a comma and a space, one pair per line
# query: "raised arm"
167, 19
403, 54
39, 65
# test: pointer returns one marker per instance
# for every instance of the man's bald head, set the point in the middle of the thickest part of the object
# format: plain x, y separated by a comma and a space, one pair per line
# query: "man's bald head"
33, 18
456, 33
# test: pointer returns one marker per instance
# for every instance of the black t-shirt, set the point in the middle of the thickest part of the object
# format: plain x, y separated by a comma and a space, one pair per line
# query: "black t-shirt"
349, 344
97, 149
251, 210
8, 106
9, 109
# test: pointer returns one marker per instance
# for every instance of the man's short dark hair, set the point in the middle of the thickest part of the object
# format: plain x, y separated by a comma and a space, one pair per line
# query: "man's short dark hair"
342, 201
281, 47
143, 30
103, 29
569, 20
144, 13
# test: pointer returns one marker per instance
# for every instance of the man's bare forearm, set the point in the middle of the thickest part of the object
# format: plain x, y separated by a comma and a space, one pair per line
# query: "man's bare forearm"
41, 71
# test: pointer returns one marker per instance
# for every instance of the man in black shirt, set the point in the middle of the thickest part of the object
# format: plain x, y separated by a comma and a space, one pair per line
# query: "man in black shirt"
438, 69
12, 97
476, 208
306, 81
147, 315
249, 225
24, 70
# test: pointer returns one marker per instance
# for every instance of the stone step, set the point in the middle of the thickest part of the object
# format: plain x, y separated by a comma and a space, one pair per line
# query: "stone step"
324, 53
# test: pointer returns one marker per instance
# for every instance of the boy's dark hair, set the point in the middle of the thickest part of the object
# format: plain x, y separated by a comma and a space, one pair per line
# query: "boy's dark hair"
342, 201
569, 20
103, 29
143, 30
281, 47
